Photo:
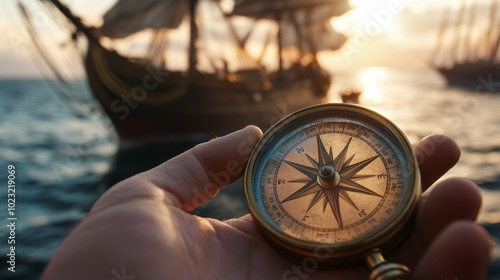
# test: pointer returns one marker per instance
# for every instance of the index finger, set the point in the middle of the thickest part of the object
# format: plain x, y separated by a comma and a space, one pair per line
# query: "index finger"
436, 154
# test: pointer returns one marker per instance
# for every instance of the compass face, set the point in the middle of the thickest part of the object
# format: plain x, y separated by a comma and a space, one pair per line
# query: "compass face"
331, 174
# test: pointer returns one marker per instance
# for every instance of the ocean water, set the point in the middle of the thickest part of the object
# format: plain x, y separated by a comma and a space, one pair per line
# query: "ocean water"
65, 158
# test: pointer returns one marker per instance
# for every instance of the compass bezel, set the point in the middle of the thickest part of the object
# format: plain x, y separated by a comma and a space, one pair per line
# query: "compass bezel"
329, 255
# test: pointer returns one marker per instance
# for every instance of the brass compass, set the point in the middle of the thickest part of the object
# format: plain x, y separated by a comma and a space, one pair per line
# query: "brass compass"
337, 183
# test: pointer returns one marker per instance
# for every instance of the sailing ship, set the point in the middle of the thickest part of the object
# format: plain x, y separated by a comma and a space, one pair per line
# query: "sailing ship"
351, 95
469, 53
246, 62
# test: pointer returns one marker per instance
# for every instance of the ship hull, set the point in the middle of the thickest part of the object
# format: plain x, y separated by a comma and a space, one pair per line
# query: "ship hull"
147, 104
473, 75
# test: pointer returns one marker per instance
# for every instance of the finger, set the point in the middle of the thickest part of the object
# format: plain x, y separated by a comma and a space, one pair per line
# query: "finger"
436, 154
462, 251
449, 201
196, 175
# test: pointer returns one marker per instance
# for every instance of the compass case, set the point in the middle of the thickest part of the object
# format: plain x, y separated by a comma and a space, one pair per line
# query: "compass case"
276, 148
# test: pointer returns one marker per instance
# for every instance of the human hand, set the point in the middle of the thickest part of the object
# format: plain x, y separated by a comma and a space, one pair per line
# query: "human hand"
141, 227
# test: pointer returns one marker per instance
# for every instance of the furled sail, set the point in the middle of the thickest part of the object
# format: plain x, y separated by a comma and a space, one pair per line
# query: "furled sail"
305, 11
129, 16
326, 37
312, 38
304, 23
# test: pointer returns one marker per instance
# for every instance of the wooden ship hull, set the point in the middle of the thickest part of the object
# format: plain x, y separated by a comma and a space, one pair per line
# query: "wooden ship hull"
147, 104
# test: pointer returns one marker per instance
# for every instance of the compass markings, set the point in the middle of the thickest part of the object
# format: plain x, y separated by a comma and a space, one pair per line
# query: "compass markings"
327, 186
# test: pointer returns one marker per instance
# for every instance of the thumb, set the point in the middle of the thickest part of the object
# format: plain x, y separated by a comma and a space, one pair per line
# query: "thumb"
195, 176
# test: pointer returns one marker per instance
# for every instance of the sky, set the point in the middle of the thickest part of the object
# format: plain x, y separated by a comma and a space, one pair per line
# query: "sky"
387, 33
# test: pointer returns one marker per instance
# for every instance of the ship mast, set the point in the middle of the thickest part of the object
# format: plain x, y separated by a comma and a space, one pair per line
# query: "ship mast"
489, 37
76, 21
280, 42
297, 14
193, 35
455, 52
440, 38
468, 44
495, 44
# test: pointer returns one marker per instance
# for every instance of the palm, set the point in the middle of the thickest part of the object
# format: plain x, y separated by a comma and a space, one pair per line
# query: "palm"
141, 225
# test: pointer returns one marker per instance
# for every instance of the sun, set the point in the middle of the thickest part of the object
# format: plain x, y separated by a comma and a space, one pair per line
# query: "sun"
372, 17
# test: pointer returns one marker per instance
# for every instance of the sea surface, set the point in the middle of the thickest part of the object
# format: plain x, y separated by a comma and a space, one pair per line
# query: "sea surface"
66, 156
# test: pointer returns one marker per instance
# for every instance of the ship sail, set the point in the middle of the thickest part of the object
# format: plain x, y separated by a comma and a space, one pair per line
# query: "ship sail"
306, 12
129, 16
463, 51
311, 38
303, 27
298, 18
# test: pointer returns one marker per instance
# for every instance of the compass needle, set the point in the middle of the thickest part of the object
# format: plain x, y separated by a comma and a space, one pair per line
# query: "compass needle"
325, 203
300, 180
361, 177
312, 161
339, 161
333, 199
346, 197
348, 161
364, 173
323, 156
317, 197
308, 189
351, 170
352, 186
306, 170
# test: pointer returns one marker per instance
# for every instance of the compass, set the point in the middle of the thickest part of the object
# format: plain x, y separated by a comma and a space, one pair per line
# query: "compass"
337, 185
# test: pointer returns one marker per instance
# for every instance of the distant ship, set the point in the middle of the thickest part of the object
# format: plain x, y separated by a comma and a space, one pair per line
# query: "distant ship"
351, 95
462, 54
228, 49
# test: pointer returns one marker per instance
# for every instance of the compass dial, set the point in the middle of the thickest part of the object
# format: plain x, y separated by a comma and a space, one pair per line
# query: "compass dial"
336, 176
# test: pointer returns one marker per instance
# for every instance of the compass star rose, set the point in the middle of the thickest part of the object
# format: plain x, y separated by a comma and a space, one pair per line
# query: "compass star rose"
330, 179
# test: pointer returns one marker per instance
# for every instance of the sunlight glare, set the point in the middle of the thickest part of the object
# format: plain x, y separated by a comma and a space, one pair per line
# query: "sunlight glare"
369, 79
369, 4
367, 13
